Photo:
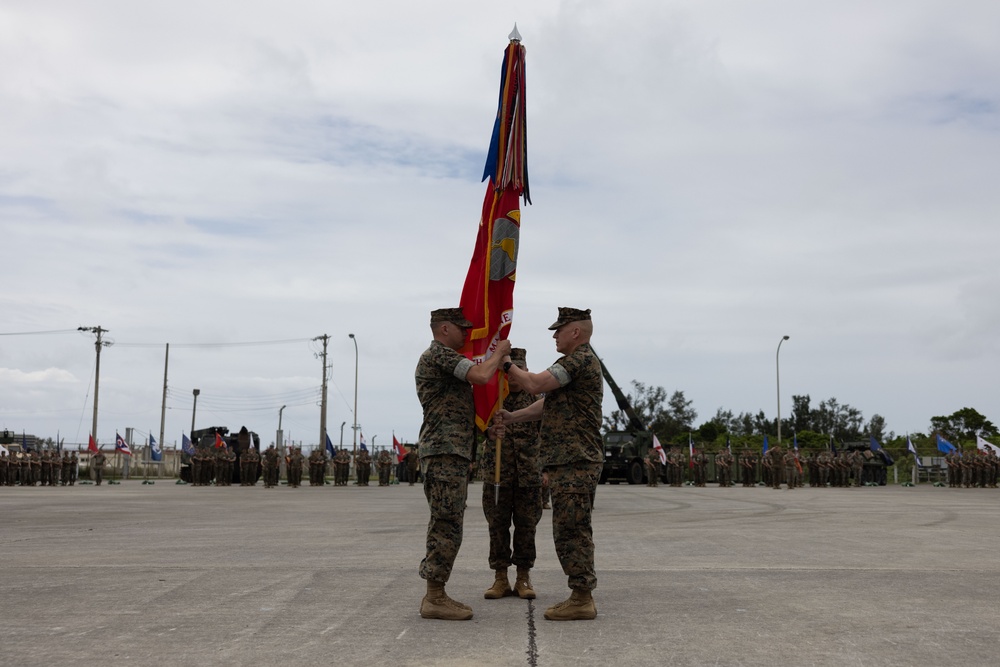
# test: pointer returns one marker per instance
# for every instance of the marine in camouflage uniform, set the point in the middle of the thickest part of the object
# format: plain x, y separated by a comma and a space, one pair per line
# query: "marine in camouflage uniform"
447, 438
571, 452
520, 496
363, 467
724, 467
384, 465
270, 467
653, 467
97, 465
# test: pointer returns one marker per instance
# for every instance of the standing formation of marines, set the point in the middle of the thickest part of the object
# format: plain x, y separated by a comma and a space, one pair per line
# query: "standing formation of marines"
45, 469
363, 467
384, 465
972, 469
317, 467
341, 467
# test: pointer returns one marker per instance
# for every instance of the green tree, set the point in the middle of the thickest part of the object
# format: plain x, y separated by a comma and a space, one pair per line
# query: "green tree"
964, 424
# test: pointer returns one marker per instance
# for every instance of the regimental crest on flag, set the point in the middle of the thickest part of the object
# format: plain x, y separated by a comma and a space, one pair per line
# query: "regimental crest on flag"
155, 453
219, 442
186, 445
122, 446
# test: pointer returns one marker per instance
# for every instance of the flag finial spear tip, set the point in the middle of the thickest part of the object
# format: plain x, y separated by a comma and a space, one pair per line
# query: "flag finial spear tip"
514, 35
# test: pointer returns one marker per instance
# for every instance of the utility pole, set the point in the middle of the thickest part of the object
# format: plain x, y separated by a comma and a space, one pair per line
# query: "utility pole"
322, 411
98, 344
163, 406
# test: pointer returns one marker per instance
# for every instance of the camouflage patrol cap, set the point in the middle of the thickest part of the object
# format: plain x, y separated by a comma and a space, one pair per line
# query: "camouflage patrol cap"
453, 315
567, 315
518, 356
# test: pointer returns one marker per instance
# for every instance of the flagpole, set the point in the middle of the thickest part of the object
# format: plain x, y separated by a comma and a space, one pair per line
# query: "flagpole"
501, 378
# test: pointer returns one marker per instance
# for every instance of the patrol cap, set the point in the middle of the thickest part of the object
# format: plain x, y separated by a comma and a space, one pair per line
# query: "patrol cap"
518, 356
567, 315
454, 315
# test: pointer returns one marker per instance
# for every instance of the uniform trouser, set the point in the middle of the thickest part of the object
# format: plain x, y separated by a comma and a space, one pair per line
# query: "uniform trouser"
573, 486
522, 506
446, 486
383, 476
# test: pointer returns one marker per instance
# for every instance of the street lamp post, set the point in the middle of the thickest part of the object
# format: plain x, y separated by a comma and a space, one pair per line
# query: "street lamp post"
355, 445
194, 409
342, 424
777, 370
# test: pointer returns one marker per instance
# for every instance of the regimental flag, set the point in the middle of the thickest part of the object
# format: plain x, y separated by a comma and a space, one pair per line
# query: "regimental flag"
729, 446
364, 444
398, 446
987, 446
121, 445
24, 443
795, 440
488, 294
4, 450
913, 450
873, 444
155, 453
219, 442
329, 446
763, 449
186, 445
92, 445
944, 446
690, 451
659, 450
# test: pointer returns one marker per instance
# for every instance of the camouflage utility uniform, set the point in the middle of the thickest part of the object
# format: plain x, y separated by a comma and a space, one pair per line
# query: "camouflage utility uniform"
446, 439
572, 454
520, 492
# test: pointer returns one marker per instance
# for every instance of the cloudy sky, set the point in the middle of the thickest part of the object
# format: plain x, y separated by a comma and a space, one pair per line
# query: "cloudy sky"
707, 176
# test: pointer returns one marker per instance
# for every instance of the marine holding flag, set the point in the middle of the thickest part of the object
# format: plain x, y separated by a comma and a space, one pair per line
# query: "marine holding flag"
447, 439
570, 451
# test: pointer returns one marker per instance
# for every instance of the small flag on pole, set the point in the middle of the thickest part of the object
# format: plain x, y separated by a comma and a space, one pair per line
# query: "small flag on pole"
364, 445
186, 445
121, 445
398, 446
329, 446
913, 450
92, 445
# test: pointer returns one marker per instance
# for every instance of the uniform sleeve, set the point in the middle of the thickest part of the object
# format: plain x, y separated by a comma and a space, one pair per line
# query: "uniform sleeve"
451, 362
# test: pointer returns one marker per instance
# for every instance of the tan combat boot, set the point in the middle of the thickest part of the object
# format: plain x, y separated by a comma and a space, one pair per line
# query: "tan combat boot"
437, 604
579, 607
500, 587
523, 585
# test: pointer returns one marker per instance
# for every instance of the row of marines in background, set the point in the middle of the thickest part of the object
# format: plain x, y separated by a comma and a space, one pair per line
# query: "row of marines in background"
31, 468
823, 468
209, 465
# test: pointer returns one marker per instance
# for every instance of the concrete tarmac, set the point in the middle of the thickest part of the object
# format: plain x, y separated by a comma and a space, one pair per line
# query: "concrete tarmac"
164, 574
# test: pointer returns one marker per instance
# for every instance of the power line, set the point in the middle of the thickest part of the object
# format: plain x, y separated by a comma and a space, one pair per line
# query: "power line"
259, 343
38, 333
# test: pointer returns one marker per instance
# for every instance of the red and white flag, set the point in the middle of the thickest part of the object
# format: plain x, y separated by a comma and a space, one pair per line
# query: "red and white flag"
659, 450
398, 447
219, 442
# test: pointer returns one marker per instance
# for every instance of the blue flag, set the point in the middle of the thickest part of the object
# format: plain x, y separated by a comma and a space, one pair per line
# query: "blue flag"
329, 446
364, 445
24, 443
764, 449
121, 445
155, 453
186, 445
795, 440
873, 444
944, 446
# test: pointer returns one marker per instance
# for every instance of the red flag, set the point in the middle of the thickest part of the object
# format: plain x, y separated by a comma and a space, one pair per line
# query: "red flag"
400, 452
219, 442
92, 445
488, 294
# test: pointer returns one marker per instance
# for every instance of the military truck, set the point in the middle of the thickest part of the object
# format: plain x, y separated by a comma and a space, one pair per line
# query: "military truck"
625, 451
